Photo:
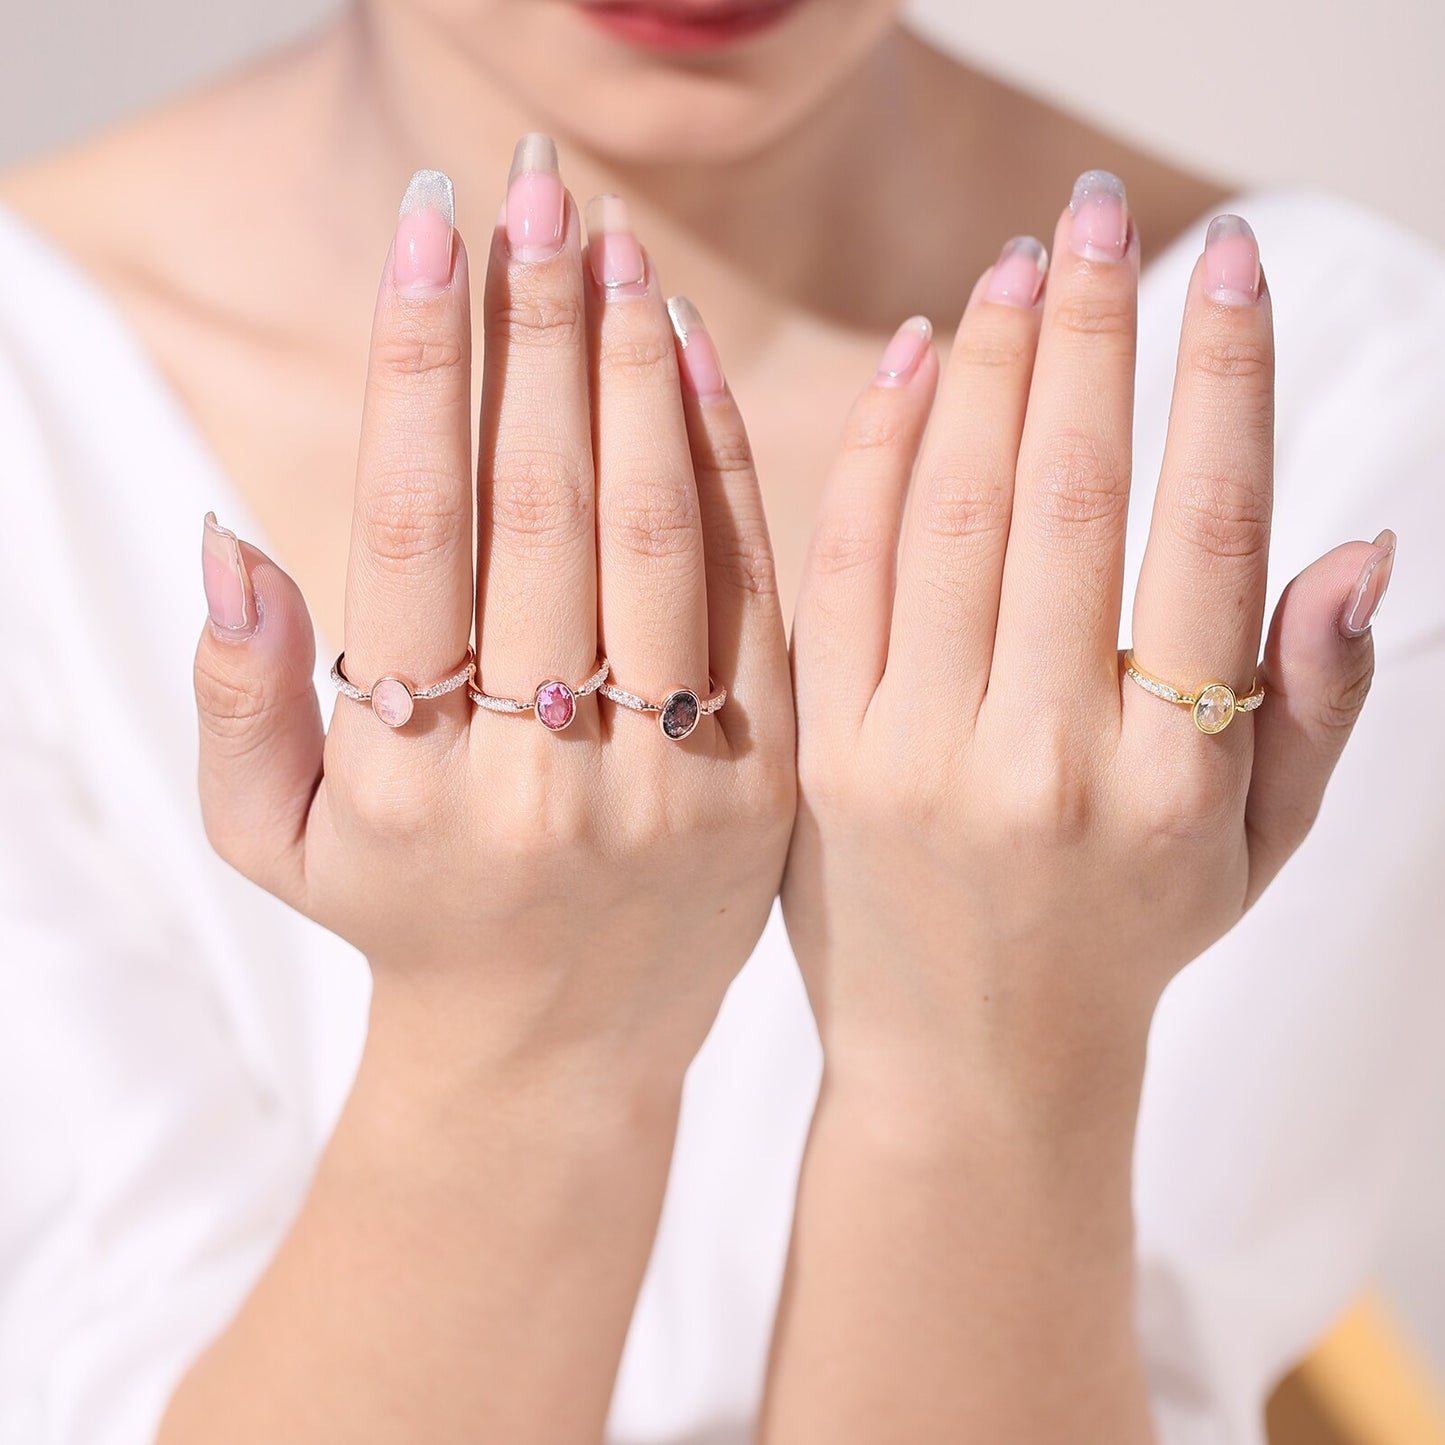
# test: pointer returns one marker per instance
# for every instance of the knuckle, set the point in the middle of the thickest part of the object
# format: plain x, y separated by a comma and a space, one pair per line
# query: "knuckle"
956, 505
538, 495
1050, 797
848, 542
1341, 705
871, 429
727, 455
541, 318
643, 351
1078, 485
651, 517
383, 805
408, 514
230, 708
1183, 807
1217, 514
414, 351
1217, 355
745, 564
1091, 312
994, 349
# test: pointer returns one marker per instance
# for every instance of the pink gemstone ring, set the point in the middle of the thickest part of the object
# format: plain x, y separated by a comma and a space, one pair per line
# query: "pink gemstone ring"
392, 697
554, 704
678, 713
1213, 706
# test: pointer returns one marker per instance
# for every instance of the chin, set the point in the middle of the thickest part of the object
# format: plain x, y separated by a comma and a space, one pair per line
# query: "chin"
656, 82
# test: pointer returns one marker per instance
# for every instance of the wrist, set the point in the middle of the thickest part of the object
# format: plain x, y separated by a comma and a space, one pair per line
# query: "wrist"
974, 1095
460, 1079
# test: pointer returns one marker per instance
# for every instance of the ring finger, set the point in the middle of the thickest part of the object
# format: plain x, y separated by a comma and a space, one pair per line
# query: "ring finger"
652, 590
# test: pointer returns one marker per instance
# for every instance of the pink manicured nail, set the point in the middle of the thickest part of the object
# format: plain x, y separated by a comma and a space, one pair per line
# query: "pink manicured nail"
1100, 227
1369, 590
536, 203
1018, 274
1231, 262
901, 356
617, 261
422, 260
700, 362
229, 598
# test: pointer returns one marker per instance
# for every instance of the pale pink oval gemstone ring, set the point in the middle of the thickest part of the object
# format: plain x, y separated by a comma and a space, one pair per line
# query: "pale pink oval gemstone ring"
392, 697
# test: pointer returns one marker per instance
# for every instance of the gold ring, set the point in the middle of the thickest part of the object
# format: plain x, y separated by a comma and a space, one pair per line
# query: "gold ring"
1213, 705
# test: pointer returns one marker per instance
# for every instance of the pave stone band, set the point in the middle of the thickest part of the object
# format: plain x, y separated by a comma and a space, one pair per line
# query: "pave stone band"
554, 703
1214, 705
678, 713
392, 697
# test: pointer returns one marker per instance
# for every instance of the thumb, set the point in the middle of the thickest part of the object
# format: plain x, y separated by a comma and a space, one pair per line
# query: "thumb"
260, 724
1319, 662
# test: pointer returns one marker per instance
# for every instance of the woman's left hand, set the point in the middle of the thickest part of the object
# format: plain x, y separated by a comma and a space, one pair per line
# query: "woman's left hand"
1005, 847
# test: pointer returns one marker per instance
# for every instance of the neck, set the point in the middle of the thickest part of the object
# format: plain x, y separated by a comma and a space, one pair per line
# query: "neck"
799, 222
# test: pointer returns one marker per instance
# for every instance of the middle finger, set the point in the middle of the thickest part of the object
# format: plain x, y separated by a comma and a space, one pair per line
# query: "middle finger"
537, 577
1063, 575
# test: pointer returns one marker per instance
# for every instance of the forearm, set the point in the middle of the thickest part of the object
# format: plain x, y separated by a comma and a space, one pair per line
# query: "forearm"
464, 1267
960, 1271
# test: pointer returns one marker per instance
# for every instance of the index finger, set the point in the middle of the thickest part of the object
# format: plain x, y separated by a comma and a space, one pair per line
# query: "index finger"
409, 577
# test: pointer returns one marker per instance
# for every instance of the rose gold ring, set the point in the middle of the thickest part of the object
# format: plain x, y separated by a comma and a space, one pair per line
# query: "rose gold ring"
553, 703
678, 712
392, 696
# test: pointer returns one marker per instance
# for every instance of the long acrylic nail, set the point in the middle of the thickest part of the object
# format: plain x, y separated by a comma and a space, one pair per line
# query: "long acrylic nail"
229, 598
700, 363
1099, 230
1018, 274
903, 353
421, 262
1369, 592
618, 265
1231, 262
536, 202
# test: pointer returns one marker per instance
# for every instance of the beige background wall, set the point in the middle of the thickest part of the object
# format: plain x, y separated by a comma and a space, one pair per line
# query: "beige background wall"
1348, 95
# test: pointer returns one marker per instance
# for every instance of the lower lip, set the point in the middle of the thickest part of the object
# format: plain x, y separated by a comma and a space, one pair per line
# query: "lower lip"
656, 29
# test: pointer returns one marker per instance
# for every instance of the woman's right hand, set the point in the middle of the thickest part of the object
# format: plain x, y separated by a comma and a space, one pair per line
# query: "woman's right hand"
551, 918
532, 901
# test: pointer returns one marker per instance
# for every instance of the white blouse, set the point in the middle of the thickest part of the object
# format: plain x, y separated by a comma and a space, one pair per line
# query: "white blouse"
175, 1045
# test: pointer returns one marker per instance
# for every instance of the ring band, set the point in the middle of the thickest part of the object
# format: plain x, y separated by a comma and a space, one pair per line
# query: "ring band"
1213, 706
678, 713
392, 696
553, 703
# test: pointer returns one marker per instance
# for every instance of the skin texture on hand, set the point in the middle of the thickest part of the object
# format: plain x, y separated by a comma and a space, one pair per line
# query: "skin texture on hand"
551, 918
1005, 849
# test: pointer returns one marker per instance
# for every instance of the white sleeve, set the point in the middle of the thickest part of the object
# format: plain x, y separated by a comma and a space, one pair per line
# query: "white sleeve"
145, 1177
1291, 1066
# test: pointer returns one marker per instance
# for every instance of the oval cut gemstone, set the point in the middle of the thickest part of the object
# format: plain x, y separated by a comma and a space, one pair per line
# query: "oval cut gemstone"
391, 701
556, 705
679, 714
1213, 708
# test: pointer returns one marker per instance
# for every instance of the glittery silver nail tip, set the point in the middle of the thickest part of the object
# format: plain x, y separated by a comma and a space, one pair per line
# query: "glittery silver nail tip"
1093, 185
429, 191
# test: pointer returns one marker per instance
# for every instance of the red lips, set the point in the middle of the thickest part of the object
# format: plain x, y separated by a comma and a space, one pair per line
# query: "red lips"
678, 26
